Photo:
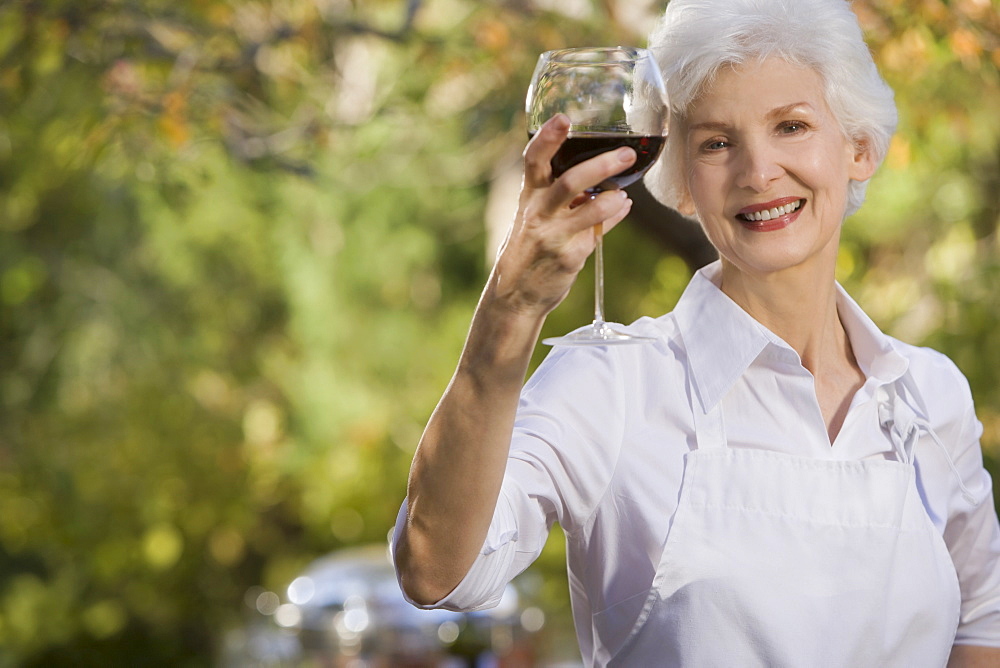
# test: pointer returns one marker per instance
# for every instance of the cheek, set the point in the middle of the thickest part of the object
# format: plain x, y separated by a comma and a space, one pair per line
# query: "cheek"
708, 192
835, 162
695, 197
705, 181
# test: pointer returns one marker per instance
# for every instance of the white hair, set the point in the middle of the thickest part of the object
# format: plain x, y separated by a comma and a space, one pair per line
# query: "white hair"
696, 38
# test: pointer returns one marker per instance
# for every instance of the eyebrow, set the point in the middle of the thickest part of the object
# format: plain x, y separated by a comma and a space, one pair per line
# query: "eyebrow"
777, 112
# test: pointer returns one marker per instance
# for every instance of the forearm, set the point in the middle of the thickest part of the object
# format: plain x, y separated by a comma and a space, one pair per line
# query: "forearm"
458, 468
459, 464
971, 656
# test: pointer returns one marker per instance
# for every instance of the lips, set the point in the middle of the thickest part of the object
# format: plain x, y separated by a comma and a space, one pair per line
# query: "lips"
770, 216
770, 210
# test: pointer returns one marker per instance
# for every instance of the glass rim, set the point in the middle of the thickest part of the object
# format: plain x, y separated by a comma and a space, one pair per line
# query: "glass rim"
630, 53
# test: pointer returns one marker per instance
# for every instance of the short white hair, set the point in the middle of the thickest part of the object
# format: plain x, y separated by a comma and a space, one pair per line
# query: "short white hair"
695, 38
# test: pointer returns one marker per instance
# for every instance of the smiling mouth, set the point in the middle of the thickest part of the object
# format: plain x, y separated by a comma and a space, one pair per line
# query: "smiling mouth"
772, 213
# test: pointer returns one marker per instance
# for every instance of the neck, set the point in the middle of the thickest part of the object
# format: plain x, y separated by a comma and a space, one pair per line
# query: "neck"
799, 305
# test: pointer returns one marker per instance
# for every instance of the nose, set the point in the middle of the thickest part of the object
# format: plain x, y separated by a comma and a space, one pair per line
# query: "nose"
759, 165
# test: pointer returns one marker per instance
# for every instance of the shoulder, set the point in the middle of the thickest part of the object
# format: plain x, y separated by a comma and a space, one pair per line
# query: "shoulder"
608, 385
587, 365
932, 369
942, 387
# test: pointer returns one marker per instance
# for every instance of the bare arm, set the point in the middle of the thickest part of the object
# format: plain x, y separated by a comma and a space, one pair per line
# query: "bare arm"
459, 464
970, 656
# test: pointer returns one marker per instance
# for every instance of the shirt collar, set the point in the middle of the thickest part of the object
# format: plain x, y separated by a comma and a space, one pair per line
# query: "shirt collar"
722, 340
874, 351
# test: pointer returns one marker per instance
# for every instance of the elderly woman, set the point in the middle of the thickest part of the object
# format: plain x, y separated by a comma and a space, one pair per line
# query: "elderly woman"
773, 481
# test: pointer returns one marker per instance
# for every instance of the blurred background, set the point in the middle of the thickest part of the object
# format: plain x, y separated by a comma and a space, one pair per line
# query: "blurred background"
240, 243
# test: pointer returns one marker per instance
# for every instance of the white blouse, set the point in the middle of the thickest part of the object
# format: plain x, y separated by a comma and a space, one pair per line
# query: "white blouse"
601, 434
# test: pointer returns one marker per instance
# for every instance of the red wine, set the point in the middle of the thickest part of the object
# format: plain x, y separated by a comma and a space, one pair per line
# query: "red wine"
582, 146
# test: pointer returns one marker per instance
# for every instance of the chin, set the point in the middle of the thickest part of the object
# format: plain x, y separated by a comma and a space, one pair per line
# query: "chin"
774, 261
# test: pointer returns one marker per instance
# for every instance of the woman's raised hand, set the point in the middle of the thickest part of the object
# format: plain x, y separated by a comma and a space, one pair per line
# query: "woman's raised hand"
553, 232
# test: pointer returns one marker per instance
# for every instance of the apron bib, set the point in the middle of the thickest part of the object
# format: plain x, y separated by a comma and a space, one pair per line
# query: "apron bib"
776, 560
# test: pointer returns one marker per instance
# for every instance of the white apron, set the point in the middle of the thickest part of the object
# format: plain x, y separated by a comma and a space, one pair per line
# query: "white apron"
775, 560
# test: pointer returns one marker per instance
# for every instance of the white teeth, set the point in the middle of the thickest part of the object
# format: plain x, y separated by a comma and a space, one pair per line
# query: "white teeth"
768, 214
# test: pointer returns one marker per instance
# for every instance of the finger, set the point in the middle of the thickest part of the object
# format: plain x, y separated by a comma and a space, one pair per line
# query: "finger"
620, 215
540, 150
589, 174
607, 209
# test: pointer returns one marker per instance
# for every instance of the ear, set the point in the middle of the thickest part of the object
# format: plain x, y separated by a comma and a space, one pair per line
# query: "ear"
863, 163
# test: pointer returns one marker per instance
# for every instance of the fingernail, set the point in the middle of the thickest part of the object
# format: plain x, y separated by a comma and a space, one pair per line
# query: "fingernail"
625, 154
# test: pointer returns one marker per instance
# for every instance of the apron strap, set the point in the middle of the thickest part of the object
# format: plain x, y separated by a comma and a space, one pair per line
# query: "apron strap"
905, 426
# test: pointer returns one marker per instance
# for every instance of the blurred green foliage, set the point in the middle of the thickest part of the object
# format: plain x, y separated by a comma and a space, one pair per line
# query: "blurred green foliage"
240, 242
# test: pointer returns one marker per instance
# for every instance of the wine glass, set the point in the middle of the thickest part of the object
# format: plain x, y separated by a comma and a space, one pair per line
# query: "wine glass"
614, 97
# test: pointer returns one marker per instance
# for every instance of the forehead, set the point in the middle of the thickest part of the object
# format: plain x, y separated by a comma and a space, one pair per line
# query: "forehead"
757, 88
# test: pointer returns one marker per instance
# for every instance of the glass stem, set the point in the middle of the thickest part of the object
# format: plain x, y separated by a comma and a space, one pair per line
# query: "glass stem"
599, 276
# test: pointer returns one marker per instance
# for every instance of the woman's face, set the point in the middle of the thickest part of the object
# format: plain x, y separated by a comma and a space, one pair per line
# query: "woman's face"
767, 166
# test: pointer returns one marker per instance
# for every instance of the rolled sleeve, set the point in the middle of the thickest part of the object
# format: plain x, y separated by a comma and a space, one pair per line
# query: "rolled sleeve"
566, 439
506, 552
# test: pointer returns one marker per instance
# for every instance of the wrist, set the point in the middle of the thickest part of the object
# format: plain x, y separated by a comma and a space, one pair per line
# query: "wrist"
501, 339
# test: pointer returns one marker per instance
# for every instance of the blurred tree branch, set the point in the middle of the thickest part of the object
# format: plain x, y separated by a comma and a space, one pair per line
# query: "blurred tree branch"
675, 233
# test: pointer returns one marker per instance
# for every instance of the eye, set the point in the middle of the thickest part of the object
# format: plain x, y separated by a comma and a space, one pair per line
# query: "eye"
715, 145
791, 127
